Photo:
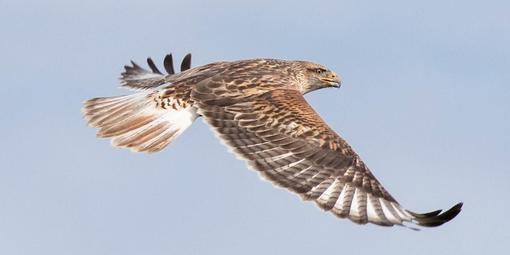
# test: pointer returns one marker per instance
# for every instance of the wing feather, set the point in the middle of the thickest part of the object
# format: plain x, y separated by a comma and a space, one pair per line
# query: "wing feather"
284, 139
137, 78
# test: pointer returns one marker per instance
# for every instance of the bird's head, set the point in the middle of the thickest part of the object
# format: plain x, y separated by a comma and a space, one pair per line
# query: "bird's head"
314, 76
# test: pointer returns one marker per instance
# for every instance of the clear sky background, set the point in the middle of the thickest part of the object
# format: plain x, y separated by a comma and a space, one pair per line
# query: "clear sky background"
425, 101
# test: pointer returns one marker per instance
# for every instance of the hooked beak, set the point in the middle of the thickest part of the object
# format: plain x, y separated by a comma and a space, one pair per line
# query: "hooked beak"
333, 81
336, 84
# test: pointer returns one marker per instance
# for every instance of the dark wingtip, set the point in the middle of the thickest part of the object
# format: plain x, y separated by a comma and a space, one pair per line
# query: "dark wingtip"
436, 218
153, 66
135, 65
168, 63
131, 70
186, 62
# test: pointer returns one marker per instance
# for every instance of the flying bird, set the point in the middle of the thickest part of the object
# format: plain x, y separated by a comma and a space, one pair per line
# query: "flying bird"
257, 109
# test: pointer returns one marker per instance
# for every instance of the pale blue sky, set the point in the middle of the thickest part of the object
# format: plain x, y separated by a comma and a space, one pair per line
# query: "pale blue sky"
425, 101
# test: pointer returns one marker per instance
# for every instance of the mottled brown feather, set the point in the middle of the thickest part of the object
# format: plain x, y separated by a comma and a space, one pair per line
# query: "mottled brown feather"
286, 130
257, 109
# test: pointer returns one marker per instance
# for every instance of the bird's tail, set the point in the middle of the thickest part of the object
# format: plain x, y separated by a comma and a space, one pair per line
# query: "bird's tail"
138, 121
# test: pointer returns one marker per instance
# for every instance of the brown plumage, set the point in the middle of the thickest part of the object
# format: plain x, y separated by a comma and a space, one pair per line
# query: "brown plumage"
257, 109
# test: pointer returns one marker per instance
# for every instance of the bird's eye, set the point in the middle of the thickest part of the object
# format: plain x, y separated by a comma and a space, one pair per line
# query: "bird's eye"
318, 71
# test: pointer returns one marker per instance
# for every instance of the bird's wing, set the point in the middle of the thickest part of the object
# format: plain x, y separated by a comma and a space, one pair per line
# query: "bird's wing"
137, 78
278, 134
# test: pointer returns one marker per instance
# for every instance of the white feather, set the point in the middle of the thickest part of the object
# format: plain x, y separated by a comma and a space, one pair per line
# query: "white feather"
387, 212
371, 212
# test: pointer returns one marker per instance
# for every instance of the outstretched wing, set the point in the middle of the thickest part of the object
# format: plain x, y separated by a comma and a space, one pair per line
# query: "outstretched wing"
281, 136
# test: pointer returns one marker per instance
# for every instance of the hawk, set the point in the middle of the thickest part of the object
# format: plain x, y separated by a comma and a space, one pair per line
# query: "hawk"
256, 108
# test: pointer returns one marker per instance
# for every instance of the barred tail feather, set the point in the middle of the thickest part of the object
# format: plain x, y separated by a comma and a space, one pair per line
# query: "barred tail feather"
136, 122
